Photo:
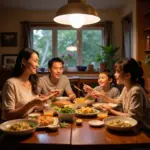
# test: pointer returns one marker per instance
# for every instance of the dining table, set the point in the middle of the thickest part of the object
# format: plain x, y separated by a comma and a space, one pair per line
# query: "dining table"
78, 137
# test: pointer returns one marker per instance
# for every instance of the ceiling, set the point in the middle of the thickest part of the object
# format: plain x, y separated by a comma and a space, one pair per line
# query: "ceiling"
55, 4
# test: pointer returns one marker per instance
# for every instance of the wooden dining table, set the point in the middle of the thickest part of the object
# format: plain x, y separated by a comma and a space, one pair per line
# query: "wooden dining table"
77, 137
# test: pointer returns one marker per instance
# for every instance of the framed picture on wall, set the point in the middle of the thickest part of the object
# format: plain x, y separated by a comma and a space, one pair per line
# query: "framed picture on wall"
8, 38
9, 60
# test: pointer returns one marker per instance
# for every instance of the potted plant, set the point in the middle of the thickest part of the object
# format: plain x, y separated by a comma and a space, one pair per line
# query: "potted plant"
107, 56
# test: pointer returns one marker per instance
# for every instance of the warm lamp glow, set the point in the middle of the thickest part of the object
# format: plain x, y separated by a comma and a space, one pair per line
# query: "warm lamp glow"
76, 13
71, 48
77, 20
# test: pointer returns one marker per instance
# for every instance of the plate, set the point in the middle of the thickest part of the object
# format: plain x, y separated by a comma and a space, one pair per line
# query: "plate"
4, 126
55, 122
96, 123
108, 122
62, 98
34, 115
94, 114
95, 105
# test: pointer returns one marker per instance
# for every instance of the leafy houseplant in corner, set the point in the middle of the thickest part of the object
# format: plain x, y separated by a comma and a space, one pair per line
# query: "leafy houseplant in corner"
107, 56
147, 62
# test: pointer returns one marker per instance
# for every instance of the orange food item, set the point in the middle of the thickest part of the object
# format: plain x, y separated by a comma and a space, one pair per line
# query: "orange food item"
45, 120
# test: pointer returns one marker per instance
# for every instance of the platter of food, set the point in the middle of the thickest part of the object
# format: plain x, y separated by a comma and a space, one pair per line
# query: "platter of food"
120, 123
87, 112
19, 126
45, 121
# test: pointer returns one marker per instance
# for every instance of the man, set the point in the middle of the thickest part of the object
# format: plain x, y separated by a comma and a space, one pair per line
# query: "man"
56, 80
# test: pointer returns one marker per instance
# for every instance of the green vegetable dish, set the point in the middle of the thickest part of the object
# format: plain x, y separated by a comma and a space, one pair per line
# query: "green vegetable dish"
67, 110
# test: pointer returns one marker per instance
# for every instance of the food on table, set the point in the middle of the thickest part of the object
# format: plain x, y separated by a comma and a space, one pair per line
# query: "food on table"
20, 126
79, 100
79, 122
61, 103
86, 110
64, 124
119, 123
45, 120
67, 110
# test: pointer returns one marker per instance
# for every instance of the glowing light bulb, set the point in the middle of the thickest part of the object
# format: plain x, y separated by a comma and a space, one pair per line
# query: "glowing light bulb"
76, 20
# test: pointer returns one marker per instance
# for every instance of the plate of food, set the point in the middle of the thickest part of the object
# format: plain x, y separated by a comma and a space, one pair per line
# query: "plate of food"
61, 101
45, 121
87, 112
120, 123
19, 126
96, 105
96, 123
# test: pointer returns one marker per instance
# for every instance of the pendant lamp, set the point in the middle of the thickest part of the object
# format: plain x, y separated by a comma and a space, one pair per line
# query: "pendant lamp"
77, 13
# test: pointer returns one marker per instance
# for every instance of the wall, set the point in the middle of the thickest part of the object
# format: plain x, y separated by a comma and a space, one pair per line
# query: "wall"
10, 22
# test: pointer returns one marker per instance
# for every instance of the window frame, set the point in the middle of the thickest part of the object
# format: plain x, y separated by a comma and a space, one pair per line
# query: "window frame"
55, 28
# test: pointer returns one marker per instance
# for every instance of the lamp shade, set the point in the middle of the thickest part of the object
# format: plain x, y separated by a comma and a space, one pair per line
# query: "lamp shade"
71, 48
76, 13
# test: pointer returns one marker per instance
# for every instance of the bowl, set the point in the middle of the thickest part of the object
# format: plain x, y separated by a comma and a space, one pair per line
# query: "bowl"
6, 125
66, 117
112, 123
81, 68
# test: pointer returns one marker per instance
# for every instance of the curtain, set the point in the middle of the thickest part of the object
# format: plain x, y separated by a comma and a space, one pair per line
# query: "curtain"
127, 36
27, 34
108, 33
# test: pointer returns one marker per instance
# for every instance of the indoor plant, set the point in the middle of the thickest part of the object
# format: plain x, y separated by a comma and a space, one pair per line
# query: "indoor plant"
107, 56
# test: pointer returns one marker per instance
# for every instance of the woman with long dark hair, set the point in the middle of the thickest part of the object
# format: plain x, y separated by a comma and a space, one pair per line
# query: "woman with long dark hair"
19, 94
133, 97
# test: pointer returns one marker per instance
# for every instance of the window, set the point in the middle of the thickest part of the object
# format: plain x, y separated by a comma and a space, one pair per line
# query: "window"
53, 41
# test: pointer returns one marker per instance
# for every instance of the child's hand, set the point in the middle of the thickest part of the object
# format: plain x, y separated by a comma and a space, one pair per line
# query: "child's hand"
87, 88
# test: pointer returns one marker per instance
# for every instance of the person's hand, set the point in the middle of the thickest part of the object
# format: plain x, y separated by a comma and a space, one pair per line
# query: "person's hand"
104, 107
95, 94
72, 96
87, 88
54, 91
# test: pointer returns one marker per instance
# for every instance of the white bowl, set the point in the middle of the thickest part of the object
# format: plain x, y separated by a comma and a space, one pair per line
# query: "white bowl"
132, 121
66, 117
96, 123
4, 127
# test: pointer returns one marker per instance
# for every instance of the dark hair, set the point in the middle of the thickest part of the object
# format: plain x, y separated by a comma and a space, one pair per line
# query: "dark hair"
130, 65
54, 59
19, 67
110, 75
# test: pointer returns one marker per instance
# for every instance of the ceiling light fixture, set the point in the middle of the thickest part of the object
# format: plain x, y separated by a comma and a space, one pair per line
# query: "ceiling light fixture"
71, 48
77, 13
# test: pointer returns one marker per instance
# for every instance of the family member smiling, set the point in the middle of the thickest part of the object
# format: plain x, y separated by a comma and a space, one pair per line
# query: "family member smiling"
55, 80
19, 94
133, 97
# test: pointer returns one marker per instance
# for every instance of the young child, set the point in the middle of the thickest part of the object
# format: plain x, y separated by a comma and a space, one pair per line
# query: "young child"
133, 97
106, 85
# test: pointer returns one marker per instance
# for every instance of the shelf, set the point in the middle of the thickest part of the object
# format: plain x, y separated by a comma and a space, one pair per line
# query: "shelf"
147, 51
147, 29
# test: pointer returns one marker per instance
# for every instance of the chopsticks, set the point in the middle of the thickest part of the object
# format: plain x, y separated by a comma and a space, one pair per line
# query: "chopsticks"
77, 88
